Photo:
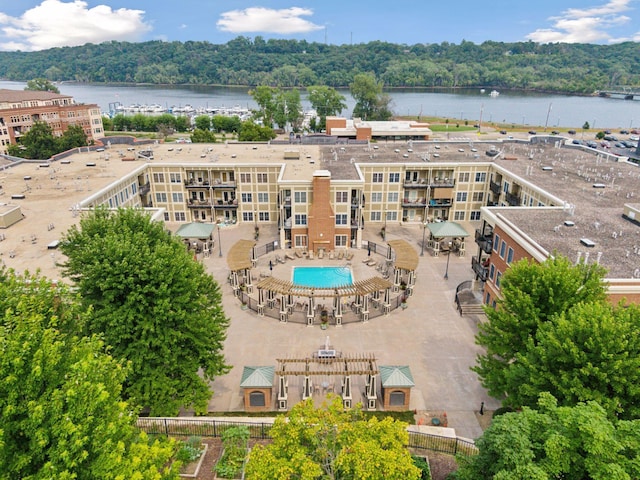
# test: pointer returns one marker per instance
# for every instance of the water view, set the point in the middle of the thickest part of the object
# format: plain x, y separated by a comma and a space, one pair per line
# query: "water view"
517, 108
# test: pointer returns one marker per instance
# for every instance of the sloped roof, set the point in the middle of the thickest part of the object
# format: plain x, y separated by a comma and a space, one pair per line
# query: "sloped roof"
406, 255
446, 229
239, 256
396, 376
253, 377
195, 230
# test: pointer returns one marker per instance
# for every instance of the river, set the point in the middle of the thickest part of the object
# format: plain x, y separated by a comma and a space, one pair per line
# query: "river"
517, 108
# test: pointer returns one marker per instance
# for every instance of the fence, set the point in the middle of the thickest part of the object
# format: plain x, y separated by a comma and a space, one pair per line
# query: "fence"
210, 427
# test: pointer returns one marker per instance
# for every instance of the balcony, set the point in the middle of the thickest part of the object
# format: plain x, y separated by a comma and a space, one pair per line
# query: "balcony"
442, 183
231, 204
421, 183
479, 269
440, 202
496, 188
485, 242
414, 202
513, 199
144, 189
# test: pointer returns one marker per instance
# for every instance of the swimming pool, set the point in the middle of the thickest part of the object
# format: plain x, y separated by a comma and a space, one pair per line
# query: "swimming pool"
322, 277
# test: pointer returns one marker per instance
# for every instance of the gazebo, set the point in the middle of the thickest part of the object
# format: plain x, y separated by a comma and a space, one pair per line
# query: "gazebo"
197, 231
397, 382
439, 231
257, 383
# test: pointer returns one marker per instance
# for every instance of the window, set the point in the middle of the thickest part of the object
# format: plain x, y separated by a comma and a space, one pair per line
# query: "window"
247, 197
510, 255
481, 177
463, 177
341, 241
247, 216
177, 197
461, 197
496, 243
158, 178
377, 178
300, 197
134, 188
175, 178
161, 197
341, 219
300, 219
180, 217
478, 196
263, 197
245, 178
498, 279
392, 197
263, 216
376, 197
300, 241
262, 177
503, 248
492, 271
392, 216
505, 187
256, 399
459, 216
376, 216
394, 177
342, 197
475, 215
166, 216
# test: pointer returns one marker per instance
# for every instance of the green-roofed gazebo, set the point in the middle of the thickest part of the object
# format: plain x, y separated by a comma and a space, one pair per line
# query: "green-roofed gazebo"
439, 231
201, 231
396, 381
257, 383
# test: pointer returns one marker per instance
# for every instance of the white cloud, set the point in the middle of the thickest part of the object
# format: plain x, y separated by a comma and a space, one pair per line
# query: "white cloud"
55, 23
587, 25
259, 19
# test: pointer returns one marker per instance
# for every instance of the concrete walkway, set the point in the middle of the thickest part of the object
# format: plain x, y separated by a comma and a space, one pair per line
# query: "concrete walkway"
429, 336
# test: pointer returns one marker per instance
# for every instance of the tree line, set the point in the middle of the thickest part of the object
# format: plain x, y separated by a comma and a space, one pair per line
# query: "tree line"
556, 67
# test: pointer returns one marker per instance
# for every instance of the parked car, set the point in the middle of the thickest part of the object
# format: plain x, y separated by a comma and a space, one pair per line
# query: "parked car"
634, 138
611, 138
624, 132
592, 144
503, 132
635, 131
577, 142
532, 132
571, 132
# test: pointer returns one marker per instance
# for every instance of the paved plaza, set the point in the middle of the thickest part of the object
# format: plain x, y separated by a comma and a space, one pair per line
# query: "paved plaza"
429, 336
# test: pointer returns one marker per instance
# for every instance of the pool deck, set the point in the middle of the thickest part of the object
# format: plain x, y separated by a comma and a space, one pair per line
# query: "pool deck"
429, 336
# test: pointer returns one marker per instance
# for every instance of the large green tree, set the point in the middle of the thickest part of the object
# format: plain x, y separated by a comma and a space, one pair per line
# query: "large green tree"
265, 97
37, 143
61, 413
572, 443
154, 305
331, 442
41, 85
532, 294
371, 102
288, 109
326, 101
252, 132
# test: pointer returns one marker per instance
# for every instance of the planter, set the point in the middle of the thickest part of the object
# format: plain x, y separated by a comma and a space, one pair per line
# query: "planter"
192, 469
244, 306
239, 476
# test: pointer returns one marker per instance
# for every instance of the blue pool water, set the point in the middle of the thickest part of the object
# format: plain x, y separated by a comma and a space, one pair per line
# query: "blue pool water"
322, 277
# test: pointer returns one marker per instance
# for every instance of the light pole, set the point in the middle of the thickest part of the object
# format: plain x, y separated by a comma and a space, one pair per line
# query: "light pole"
446, 270
424, 229
219, 243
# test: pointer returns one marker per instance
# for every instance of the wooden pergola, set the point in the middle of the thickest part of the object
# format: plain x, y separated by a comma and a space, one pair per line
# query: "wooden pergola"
342, 367
406, 264
240, 260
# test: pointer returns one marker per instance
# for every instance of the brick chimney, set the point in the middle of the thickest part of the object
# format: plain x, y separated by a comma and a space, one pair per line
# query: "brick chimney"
322, 219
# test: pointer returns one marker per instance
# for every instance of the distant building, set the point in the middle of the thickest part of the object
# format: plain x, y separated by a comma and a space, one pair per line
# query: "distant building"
19, 109
359, 129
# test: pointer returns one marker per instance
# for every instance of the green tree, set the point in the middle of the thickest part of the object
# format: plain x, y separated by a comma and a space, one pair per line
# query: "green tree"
252, 132
203, 122
41, 85
371, 103
153, 304
72, 137
332, 442
326, 101
61, 413
203, 136
572, 443
532, 294
37, 143
265, 97
288, 109
589, 352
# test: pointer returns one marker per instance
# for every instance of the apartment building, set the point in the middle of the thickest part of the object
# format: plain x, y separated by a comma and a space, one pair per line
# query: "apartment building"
19, 109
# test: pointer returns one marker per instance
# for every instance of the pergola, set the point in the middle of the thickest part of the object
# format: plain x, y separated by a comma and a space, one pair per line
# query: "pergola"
363, 291
406, 262
240, 260
441, 230
335, 366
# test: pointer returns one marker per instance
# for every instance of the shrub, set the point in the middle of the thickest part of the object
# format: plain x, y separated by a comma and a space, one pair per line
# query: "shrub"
234, 444
423, 464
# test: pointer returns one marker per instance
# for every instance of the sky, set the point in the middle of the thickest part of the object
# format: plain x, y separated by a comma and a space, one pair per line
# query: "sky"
31, 25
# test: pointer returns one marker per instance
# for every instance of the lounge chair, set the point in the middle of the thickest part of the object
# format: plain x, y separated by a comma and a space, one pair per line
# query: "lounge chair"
349, 255
310, 257
371, 262
366, 260
331, 255
289, 256
340, 254
298, 254
321, 254
279, 259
